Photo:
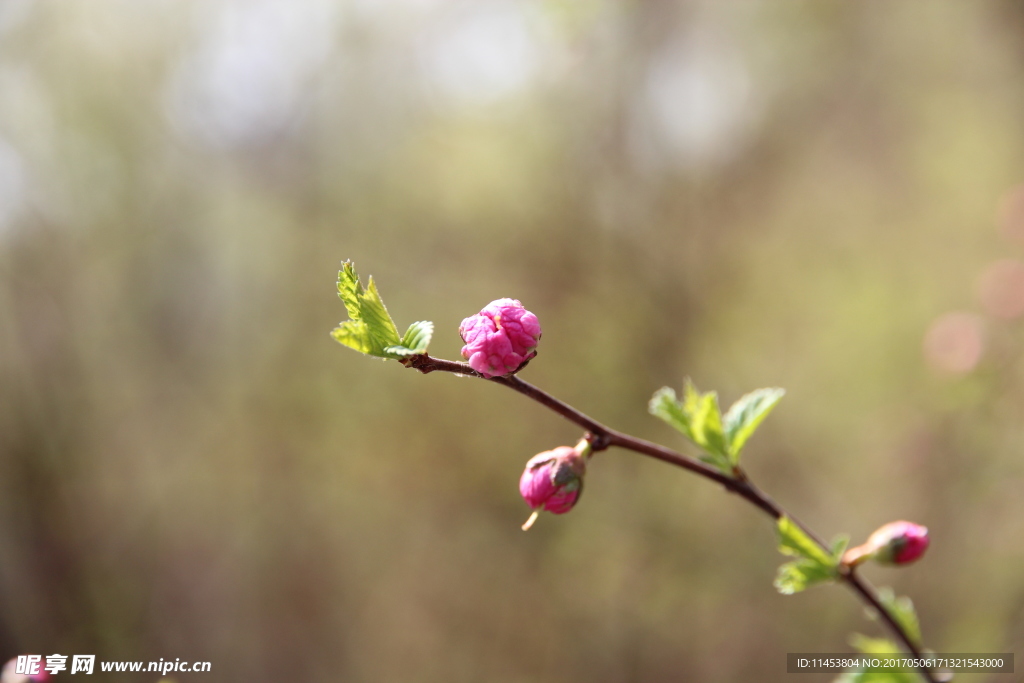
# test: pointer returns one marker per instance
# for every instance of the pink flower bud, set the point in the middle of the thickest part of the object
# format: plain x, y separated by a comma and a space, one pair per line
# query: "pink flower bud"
32, 670
893, 543
500, 338
553, 480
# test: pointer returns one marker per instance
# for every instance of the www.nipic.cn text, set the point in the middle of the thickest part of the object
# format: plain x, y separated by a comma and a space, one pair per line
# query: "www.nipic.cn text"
32, 665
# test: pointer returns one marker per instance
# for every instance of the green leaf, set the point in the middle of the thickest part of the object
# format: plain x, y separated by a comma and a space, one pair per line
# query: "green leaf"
798, 575
873, 646
371, 329
706, 420
880, 647
795, 542
902, 610
698, 418
376, 317
665, 406
745, 415
814, 564
417, 337
355, 335
415, 341
349, 289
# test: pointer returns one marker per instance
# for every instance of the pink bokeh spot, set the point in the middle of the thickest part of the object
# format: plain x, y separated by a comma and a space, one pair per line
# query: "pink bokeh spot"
1001, 289
955, 342
1010, 216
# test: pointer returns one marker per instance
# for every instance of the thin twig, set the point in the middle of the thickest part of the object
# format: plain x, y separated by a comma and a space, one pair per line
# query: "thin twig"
602, 437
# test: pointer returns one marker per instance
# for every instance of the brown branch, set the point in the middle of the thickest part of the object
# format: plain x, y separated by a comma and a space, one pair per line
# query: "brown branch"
602, 437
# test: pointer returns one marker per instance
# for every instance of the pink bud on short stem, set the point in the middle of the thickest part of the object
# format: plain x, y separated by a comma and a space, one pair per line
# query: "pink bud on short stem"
894, 543
500, 339
553, 480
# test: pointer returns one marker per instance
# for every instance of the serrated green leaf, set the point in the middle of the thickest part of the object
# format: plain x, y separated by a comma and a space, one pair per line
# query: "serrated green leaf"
355, 335
691, 396
813, 564
371, 329
665, 406
349, 289
801, 574
795, 542
700, 419
376, 316
902, 610
697, 417
745, 415
417, 337
706, 423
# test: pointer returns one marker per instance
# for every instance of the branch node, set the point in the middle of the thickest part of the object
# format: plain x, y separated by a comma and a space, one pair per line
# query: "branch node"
598, 441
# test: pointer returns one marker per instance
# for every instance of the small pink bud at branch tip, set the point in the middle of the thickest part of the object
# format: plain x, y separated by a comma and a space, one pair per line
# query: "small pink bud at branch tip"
500, 339
893, 543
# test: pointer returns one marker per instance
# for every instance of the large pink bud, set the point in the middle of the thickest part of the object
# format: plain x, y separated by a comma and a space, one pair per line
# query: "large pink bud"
553, 480
500, 338
893, 543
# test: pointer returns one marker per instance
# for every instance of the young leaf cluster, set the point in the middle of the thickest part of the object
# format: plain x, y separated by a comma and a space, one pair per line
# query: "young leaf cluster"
812, 564
370, 329
880, 647
698, 417
902, 610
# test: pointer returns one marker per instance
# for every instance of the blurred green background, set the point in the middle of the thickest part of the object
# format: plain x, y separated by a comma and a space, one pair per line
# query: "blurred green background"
823, 196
